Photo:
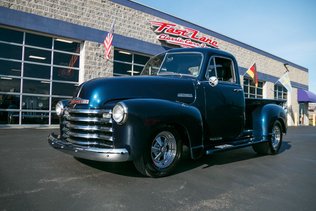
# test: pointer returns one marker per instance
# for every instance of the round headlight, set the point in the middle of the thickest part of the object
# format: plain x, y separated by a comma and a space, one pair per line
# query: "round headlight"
59, 108
119, 113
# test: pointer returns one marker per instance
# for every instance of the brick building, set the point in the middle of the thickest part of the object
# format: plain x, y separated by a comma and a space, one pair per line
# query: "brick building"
48, 47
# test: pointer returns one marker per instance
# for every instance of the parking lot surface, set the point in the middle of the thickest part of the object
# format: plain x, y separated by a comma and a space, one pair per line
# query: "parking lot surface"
33, 176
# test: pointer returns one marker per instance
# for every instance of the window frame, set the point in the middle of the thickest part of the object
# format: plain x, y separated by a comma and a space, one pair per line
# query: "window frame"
132, 63
283, 92
251, 85
234, 78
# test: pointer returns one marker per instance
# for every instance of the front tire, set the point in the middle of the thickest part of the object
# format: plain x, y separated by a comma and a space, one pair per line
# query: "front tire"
272, 146
161, 155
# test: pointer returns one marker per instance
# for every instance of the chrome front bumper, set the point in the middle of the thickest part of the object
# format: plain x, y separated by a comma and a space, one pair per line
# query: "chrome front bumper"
89, 153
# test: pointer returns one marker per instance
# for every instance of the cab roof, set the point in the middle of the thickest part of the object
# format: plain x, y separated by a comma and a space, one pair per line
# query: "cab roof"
205, 51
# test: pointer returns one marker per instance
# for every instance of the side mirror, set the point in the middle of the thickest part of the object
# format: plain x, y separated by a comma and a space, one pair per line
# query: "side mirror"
213, 81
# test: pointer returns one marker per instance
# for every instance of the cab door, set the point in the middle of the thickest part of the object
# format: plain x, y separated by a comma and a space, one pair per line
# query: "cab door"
224, 100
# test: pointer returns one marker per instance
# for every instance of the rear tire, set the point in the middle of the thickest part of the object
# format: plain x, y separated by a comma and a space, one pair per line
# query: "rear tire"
161, 155
272, 146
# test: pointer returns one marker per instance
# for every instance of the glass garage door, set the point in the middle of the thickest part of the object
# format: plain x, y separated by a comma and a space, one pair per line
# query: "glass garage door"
36, 71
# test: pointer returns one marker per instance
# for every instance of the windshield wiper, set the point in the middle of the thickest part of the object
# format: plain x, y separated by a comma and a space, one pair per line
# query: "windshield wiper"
176, 74
168, 73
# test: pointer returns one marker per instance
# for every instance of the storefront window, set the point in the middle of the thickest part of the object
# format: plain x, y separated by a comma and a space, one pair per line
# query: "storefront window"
12, 36
128, 63
68, 60
37, 71
139, 59
35, 103
251, 91
65, 74
35, 87
10, 68
9, 84
9, 108
280, 92
66, 45
9, 51
37, 55
64, 89
48, 71
35, 117
9, 101
122, 69
38, 40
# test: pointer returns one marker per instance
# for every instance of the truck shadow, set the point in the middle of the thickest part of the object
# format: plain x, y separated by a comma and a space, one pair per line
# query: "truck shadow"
223, 158
186, 164
123, 168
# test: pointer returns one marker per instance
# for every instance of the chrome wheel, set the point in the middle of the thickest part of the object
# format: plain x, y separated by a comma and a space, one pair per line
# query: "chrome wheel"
163, 149
276, 136
162, 153
273, 145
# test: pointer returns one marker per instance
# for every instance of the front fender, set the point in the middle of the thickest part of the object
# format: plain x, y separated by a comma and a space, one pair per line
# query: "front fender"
264, 118
146, 115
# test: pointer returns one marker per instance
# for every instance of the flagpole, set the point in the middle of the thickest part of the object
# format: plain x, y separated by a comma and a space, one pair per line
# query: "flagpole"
285, 65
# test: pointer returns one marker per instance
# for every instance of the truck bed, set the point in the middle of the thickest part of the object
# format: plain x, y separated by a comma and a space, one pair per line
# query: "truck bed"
253, 103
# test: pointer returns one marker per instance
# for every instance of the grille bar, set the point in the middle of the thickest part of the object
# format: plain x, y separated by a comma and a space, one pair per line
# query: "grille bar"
85, 143
89, 111
88, 127
89, 136
88, 119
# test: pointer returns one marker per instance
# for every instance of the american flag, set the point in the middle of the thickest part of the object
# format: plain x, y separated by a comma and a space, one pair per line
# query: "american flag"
108, 42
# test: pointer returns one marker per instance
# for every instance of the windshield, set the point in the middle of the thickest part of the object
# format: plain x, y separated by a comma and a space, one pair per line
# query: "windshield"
178, 63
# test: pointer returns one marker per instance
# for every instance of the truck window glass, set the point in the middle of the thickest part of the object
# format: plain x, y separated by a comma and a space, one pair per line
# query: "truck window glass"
224, 69
153, 65
174, 64
210, 69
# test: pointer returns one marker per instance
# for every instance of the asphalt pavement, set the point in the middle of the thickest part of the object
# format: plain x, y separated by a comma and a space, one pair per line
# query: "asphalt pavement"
34, 176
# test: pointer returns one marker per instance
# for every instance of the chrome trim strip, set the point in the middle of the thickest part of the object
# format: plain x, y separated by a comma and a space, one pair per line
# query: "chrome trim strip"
88, 127
89, 111
90, 153
89, 136
88, 119
87, 143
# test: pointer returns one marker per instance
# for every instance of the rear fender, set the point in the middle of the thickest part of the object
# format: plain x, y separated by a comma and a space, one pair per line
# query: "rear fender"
264, 118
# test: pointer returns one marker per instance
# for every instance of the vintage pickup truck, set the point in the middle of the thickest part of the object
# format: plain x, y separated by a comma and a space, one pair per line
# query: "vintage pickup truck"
184, 97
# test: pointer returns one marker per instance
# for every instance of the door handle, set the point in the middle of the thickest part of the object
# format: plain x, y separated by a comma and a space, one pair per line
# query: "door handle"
237, 90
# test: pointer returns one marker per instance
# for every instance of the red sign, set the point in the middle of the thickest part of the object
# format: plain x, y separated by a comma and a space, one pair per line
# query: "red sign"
185, 37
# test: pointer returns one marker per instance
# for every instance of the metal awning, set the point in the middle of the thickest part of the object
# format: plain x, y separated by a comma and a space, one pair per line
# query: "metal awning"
304, 96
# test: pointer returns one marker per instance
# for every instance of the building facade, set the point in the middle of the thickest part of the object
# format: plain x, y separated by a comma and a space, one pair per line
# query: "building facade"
49, 47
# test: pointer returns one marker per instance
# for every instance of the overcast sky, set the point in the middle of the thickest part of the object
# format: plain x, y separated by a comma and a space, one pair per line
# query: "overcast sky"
285, 28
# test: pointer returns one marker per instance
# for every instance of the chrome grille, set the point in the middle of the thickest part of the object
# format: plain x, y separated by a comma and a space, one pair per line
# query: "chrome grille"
88, 127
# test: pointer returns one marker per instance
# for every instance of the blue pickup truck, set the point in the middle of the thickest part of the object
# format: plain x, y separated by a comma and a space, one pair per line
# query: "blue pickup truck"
184, 97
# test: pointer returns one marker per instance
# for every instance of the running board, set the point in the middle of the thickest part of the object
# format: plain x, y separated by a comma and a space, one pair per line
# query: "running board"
231, 146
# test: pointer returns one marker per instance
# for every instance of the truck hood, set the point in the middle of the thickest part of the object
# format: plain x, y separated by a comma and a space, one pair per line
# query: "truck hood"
104, 90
